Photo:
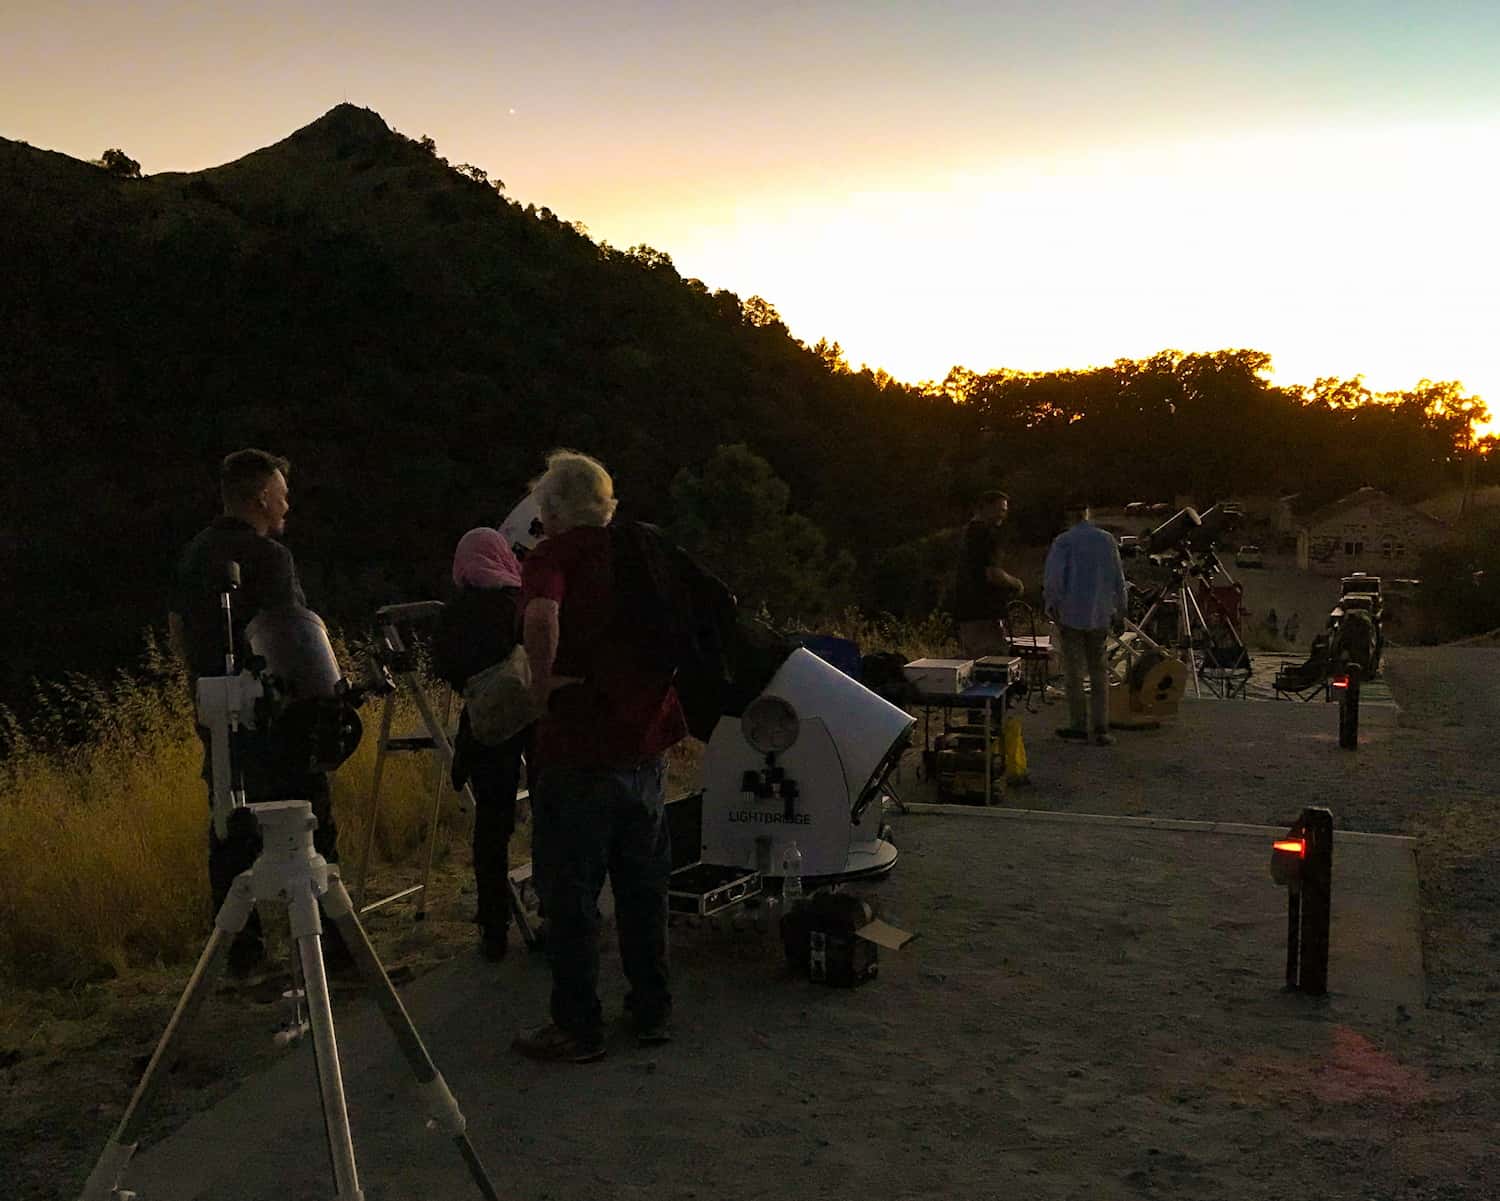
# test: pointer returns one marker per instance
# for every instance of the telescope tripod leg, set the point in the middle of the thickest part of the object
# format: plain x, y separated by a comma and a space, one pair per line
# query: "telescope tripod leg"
372, 809
1185, 634
302, 909
444, 1113
437, 731
103, 1183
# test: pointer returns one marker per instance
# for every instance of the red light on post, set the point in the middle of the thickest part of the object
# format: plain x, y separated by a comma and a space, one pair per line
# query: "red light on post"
1292, 846
1339, 682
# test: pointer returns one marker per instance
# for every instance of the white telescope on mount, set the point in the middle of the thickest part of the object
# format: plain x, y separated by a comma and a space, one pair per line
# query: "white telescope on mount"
289, 705
806, 763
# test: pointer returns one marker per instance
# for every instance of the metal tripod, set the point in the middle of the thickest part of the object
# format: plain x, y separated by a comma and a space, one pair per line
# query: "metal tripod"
398, 657
289, 871
1192, 625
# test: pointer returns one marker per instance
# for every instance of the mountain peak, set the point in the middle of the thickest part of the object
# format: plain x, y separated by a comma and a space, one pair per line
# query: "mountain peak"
347, 123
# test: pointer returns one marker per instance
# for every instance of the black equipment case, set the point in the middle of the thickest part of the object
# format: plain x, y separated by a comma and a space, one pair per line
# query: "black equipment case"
821, 938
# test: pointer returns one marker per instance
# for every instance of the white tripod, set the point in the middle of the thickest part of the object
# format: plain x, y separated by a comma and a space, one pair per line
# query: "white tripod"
290, 872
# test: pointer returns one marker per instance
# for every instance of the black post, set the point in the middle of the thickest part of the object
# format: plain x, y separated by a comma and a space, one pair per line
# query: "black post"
1302, 862
1349, 710
1317, 898
1293, 935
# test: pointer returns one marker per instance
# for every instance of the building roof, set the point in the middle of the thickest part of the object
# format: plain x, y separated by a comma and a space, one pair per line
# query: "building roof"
1362, 496
1448, 506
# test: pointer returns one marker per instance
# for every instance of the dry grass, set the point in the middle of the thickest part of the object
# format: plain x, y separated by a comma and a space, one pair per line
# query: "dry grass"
101, 859
104, 820
928, 637
410, 786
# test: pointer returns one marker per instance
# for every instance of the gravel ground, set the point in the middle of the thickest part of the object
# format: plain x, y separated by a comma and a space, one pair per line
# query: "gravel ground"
1076, 1020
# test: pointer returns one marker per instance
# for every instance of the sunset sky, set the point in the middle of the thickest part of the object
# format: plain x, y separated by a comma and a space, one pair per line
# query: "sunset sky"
992, 184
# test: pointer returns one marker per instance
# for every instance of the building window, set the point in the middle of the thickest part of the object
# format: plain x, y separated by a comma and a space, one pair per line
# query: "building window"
1387, 547
1354, 547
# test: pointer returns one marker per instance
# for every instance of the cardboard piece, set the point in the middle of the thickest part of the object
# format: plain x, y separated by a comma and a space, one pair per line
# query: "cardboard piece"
882, 934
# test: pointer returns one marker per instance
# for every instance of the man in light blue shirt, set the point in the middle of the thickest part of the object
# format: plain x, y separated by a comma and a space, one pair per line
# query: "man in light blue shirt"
1084, 591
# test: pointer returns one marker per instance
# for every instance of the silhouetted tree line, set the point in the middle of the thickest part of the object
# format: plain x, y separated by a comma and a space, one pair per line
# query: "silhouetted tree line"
416, 342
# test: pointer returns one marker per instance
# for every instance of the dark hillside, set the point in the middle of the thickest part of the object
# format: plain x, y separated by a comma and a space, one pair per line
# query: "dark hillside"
415, 342
411, 339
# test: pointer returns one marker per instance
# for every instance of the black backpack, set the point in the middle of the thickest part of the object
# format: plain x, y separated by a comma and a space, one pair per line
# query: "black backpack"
675, 615
477, 627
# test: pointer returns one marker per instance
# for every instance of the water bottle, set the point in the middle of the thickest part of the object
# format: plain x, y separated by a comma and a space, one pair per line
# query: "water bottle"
791, 875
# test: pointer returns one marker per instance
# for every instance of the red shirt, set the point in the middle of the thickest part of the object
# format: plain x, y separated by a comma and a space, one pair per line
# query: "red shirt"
620, 714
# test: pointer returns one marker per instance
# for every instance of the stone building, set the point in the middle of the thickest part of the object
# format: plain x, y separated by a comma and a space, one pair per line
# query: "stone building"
1367, 531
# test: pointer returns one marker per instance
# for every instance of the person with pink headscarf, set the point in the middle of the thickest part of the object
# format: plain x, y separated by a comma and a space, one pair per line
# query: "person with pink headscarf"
478, 629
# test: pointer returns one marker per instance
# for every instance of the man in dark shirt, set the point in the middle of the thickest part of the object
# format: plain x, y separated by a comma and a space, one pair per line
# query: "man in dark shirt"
984, 587
597, 803
256, 501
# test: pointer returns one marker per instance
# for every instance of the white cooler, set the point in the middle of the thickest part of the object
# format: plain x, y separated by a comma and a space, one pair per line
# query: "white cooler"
940, 677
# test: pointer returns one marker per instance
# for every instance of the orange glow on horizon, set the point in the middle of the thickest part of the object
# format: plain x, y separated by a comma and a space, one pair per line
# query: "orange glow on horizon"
1059, 263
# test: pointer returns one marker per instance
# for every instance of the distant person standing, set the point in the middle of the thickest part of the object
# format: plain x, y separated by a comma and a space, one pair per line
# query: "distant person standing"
1292, 628
1084, 592
480, 627
253, 487
984, 586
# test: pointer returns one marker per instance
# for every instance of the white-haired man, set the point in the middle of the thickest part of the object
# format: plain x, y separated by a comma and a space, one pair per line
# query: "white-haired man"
598, 770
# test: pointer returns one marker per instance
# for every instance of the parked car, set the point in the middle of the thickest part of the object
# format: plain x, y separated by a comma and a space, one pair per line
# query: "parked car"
1248, 556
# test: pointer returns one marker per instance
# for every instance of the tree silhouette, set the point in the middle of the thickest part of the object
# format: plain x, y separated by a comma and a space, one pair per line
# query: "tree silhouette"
119, 164
734, 515
760, 312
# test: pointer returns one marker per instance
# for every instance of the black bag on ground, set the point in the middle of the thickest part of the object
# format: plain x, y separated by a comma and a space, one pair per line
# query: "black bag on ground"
677, 616
818, 936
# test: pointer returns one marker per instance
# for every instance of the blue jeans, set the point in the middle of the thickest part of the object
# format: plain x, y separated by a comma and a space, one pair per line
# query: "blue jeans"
588, 822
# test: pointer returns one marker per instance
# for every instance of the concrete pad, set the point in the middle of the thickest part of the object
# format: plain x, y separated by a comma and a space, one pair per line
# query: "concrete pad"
1218, 760
1375, 936
1090, 1005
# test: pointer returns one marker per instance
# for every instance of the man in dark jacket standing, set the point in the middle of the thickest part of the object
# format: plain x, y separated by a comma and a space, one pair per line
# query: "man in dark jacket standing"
253, 486
598, 805
984, 587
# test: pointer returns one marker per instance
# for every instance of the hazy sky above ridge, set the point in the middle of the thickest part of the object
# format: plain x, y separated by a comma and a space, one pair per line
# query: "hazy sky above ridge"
1027, 185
